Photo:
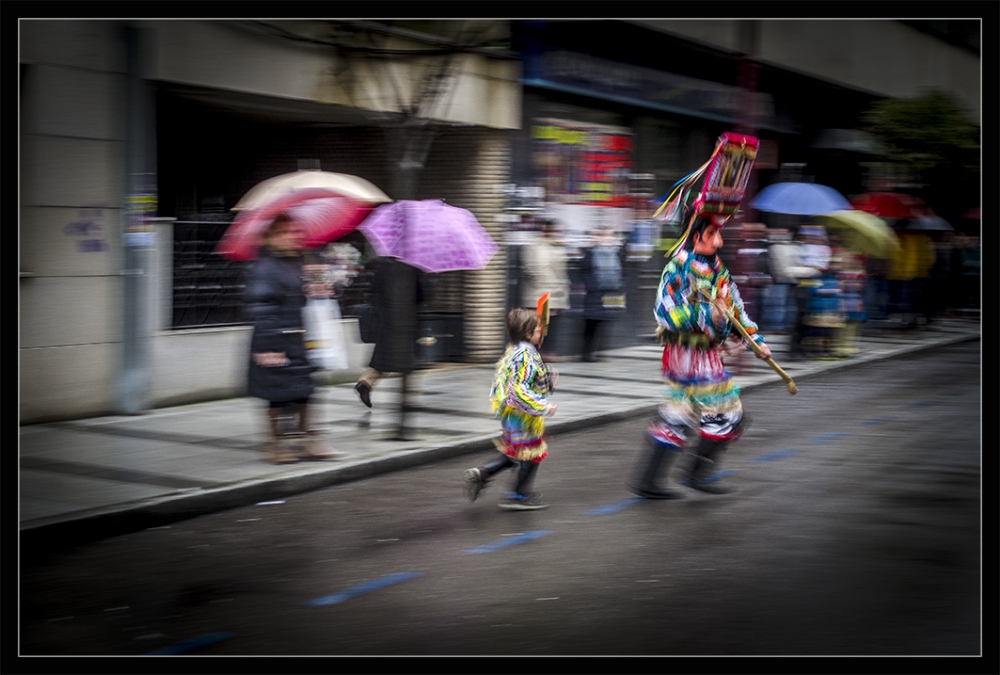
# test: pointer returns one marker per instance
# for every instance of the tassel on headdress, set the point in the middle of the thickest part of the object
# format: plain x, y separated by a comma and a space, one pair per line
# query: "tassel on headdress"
725, 180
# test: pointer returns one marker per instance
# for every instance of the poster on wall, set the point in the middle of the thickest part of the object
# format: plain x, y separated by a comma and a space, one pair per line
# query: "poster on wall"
580, 163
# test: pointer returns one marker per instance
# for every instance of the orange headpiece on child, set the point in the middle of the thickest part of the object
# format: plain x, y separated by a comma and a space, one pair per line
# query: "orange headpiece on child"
542, 309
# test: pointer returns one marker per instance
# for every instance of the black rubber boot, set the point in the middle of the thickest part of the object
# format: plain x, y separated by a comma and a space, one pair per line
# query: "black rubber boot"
657, 460
706, 463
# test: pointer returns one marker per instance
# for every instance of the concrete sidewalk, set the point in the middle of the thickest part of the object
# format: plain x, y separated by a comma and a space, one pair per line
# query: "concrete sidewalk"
87, 479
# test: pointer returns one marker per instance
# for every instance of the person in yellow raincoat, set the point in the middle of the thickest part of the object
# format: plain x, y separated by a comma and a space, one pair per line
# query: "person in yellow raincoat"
909, 268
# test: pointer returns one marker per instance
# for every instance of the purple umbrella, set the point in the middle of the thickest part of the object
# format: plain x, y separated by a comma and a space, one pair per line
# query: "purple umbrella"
429, 235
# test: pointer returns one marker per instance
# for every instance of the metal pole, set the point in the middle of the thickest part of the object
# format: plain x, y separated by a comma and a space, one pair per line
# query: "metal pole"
138, 231
747, 120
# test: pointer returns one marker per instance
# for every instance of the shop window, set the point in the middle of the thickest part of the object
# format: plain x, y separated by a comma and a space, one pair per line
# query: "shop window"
207, 287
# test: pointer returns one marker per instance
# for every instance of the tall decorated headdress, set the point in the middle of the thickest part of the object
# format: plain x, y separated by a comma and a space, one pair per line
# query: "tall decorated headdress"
715, 189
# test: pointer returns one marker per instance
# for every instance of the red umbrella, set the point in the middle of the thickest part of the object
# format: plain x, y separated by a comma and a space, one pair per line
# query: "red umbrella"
891, 205
325, 215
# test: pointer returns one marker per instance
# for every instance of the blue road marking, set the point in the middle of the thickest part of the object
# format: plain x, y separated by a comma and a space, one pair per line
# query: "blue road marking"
921, 404
190, 645
616, 507
715, 476
877, 420
826, 438
509, 541
360, 589
720, 474
771, 456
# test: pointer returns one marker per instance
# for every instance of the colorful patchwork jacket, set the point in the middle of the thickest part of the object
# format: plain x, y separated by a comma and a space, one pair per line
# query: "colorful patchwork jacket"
685, 313
521, 381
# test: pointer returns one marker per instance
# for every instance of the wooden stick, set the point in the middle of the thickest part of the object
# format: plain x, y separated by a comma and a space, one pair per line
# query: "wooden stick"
789, 383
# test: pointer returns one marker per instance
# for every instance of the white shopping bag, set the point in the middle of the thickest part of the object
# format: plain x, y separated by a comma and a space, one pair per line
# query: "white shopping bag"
326, 343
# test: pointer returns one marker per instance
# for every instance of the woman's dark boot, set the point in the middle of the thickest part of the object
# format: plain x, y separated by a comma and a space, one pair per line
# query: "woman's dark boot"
657, 460
313, 445
706, 463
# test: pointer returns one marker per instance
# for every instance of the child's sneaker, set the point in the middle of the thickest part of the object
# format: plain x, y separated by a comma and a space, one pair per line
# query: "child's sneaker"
514, 502
474, 482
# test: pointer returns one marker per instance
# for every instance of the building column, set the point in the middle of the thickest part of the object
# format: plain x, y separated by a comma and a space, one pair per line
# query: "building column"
485, 290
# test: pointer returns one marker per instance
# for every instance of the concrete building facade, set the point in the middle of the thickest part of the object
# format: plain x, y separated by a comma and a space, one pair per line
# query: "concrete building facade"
76, 241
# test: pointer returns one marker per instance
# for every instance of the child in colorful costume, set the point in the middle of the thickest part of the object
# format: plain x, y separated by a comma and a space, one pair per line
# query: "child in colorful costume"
700, 391
519, 398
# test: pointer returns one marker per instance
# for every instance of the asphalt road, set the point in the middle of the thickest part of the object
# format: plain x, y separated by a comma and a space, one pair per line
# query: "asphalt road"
855, 529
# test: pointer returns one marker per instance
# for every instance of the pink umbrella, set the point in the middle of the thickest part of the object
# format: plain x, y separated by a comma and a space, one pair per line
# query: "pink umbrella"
430, 235
326, 216
355, 187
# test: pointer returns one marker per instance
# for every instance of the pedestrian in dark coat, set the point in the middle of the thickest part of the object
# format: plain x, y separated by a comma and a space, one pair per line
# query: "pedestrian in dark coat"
396, 291
605, 289
280, 372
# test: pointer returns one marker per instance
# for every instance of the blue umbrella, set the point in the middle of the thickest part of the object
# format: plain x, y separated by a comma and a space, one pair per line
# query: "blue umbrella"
800, 199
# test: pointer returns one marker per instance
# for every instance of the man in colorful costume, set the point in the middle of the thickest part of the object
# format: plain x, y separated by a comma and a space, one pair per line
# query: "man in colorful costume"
694, 293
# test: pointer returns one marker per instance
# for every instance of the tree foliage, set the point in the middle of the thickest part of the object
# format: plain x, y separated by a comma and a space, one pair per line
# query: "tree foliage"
932, 137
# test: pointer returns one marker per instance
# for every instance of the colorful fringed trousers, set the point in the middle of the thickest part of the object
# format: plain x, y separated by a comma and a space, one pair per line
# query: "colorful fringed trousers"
700, 395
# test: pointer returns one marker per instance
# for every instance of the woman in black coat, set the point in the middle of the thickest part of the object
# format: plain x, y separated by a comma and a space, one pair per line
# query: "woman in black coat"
397, 289
280, 372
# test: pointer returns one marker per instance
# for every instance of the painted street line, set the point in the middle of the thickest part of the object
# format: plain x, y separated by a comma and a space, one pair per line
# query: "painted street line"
509, 541
877, 420
921, 404
192, 644
360, 589
616, 507
771, 456
826, 438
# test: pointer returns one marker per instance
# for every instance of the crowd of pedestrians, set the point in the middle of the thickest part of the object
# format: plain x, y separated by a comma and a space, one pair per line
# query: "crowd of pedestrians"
812, 287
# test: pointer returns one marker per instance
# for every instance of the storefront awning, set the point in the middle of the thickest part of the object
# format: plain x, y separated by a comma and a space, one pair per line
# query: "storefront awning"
585, 75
